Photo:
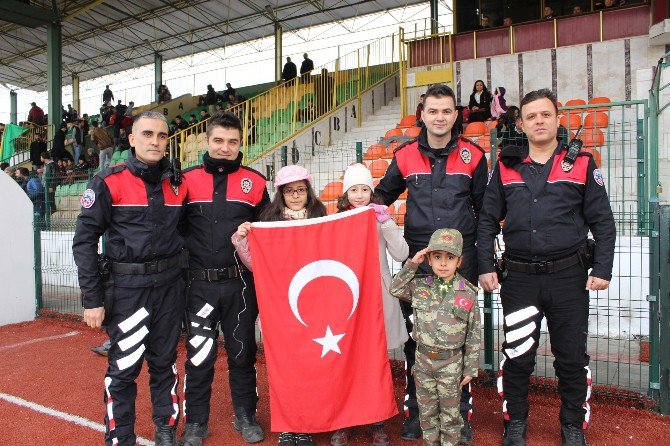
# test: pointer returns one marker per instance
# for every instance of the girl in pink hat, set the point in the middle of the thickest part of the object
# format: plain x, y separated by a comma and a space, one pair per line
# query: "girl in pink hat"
294, 200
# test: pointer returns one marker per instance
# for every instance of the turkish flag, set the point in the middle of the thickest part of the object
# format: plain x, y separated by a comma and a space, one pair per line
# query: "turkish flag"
319, 295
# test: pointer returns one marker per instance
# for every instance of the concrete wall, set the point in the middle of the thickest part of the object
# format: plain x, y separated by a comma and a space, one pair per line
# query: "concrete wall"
17, 263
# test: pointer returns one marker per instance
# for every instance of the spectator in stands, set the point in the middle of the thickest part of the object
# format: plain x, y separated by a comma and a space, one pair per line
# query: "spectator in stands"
608, 4
77, 138
36, 148
103, 141
164, 94
124, 142
85, 127
204, 115
4, 165
498, 104
21, 179
180, 124
78, 171
219, 108
232, 100
548, 13
192, 120
480, 103
72, 113
305, 68
106, 113
107, 96
119, 113
36, 114
576, 10
209, 98
129, 110
228, 91
507, 131
49, 181
11, 172
484, 23
419, 110
93, 158
34, 189
290, 71
507, 21
58, 150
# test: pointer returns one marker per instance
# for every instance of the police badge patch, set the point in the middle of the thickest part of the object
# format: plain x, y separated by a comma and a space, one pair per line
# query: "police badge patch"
174, 188
466, 156
566, 166
88, 198
598, 176
246, 185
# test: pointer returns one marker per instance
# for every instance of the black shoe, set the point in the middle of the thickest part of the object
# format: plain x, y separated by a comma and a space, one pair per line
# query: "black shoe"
411, 429
303, 440
572, 435
166, 435
286, 439
515, 433
466, 433
194, 434
248, 426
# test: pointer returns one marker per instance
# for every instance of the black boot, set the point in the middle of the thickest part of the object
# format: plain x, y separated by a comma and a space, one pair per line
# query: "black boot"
194, 434
246, 423
165, 435
466, 431
572, 435
515, 433
411, 428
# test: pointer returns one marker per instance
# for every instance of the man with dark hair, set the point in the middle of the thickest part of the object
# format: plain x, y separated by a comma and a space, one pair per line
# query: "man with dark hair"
36, 114
58, 150
36, 148
34, 189
290, 71
107, 95
77, 138
180, 124
228, 91
548, 12
138, 206
49, 181
549, 198
305, 68
445, 176
222, 194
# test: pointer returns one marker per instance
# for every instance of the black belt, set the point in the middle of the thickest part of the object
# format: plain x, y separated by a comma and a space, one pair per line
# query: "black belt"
434, 353
216, 274
154, 267
545, 267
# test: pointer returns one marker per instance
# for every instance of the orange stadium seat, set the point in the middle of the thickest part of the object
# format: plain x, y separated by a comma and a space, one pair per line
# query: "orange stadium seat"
575, 102
412, 132
392, 209
407, 121
592, 137
375, 151
403, 196
595, 152
378, 168
484, 142
332, 191
393, 132
490, 125
571, 121
602, 101
558, 104
331, 208
596, 120
400, 214
474, 129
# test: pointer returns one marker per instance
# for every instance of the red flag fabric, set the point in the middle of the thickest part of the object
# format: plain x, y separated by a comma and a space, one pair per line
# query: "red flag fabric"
319, 295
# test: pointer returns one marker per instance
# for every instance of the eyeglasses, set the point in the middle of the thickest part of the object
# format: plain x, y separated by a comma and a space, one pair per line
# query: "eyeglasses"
299, 190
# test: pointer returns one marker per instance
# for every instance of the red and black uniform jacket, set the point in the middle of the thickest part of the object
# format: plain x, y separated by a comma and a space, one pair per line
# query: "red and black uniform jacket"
221, 195
547, 212
139, 211
445, 187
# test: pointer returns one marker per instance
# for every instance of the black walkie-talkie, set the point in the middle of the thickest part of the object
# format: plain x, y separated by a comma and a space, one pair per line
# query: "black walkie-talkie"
574, 147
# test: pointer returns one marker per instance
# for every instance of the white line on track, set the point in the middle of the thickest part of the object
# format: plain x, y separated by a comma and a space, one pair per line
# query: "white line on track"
34, 341
80, 421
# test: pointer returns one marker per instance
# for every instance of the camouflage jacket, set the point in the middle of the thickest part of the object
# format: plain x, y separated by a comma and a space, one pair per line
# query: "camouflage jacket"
446, 314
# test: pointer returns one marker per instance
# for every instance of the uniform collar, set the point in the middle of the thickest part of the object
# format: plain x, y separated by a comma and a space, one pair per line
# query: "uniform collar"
152, 174
217, 166
422, 139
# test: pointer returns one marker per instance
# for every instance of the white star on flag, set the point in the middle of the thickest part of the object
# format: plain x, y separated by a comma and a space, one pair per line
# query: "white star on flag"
329, 342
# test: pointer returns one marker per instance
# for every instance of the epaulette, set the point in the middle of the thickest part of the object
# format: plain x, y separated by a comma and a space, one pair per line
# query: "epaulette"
254, 171
405, 144
469, 141
511, 155
464, 285
116, 168
188, 169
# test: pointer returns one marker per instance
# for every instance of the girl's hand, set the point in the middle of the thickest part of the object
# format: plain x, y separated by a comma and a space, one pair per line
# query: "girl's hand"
419, 257
381, 212
466, 380
243, 230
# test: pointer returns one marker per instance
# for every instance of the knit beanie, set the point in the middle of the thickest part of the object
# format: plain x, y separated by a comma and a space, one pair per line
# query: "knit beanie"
357, 174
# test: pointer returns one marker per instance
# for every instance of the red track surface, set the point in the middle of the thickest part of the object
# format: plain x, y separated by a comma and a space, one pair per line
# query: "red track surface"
65, 375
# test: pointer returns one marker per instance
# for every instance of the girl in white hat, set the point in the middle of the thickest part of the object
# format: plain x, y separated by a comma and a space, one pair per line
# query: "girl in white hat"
359, 192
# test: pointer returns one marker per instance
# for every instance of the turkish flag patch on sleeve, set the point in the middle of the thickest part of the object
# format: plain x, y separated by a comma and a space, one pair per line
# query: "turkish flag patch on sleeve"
462, 302
323, 323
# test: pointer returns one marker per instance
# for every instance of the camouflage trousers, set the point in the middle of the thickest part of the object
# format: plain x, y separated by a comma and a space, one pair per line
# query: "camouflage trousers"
438, 394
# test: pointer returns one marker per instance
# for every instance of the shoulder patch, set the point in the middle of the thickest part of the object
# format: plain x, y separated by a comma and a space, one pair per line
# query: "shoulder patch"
465, 285
88, 198
405, 144
598, 176
116, 168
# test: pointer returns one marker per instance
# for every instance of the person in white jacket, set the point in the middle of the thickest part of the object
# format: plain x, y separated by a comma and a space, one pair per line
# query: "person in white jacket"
358, 192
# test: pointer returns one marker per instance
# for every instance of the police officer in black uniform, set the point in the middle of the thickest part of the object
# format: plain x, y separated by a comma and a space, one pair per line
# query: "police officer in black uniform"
445, 176
137, 205
222, 194
549, 198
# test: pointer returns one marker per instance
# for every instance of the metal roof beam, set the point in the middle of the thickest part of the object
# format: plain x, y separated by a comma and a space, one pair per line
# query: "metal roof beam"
26, 14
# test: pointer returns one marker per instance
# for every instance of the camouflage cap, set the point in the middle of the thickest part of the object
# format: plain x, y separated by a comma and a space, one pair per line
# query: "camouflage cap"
449, 240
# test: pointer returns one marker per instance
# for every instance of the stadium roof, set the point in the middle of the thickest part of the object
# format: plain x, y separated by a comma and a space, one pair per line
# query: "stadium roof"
103, 36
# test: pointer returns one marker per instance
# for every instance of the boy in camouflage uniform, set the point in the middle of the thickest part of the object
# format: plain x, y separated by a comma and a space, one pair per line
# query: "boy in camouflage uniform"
447, 331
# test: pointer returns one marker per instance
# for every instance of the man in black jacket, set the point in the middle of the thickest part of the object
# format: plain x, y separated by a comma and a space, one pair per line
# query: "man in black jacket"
290, 71
139, 290
58, 150
305, 68
549, 201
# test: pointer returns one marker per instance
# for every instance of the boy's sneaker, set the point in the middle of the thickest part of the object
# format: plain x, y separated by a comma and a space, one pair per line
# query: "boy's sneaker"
303, 440
379, 437
286, 439
340, 438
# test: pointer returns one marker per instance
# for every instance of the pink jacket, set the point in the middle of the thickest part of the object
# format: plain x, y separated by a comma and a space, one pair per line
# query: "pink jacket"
242, 247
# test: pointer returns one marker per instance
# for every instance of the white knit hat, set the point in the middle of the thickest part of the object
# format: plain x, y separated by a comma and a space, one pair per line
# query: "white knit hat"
357, 174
